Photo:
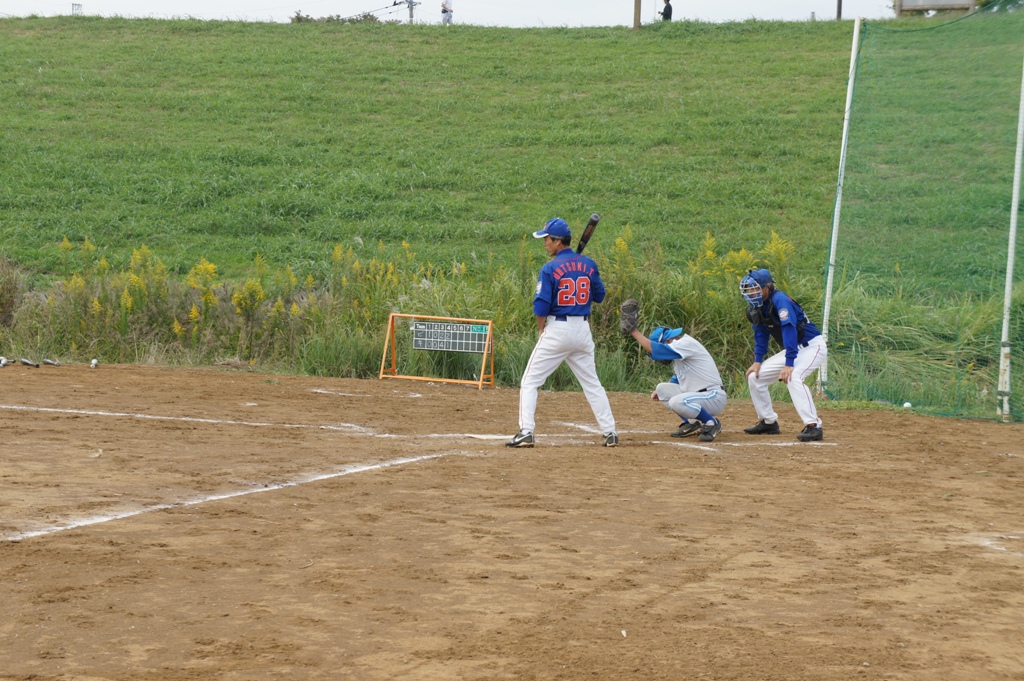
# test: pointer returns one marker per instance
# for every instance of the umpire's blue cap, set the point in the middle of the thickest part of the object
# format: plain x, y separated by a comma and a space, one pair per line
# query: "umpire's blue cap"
556, 227
762, 277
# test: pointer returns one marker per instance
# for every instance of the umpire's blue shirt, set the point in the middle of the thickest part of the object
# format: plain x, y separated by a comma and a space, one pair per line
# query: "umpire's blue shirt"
567, 284
790, 327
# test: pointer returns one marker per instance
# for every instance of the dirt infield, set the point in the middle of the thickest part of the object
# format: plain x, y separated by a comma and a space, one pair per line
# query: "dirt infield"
166, 524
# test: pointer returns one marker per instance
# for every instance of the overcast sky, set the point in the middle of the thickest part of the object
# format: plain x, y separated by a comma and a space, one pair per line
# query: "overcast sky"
518, 13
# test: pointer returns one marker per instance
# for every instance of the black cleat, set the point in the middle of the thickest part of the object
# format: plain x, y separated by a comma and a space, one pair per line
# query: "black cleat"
611, 440
709, 432
811, 433
687, 429
762, 428
521, 439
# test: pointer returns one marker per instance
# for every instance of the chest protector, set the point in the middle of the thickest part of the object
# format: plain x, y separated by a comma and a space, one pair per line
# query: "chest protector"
768, 317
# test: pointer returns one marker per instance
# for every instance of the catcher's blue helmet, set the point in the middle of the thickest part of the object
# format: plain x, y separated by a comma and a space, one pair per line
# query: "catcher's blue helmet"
750, 285
663, 334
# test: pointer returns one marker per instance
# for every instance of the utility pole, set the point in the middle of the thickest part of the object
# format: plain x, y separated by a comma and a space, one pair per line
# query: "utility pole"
636, 14
411, 3
839, 9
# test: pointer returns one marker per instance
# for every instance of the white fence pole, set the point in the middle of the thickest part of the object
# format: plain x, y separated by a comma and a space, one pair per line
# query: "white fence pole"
823, 370
1003, 392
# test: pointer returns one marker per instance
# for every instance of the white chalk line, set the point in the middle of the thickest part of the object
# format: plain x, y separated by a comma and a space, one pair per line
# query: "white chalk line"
779, 444
355, 429
995, 542
325, 391
95, 520
688, 445
342, 427
347, 428
708, 448
596, 431
585, 429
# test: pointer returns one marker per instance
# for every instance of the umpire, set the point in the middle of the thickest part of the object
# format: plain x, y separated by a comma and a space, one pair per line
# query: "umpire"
774, 315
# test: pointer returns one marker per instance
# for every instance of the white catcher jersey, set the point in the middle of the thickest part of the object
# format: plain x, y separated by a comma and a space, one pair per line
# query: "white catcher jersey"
694, 369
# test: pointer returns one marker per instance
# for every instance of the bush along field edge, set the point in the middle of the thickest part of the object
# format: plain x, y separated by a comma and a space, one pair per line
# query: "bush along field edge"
331, 320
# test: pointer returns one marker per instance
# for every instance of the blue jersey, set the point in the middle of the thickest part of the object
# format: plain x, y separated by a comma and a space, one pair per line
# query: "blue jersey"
567, 284
786, 322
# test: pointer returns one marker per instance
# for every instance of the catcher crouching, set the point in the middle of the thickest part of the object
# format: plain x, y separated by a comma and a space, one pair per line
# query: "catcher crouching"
695, 392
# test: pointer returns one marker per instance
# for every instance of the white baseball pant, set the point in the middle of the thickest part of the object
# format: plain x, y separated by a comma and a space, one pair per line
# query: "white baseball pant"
687, 404
567, 341
807, 360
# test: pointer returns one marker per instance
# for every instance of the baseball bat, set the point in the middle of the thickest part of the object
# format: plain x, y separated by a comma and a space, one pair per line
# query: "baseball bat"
588, 231
29, 363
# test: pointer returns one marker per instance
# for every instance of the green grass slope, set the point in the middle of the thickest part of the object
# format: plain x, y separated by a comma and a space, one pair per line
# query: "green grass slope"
223, 140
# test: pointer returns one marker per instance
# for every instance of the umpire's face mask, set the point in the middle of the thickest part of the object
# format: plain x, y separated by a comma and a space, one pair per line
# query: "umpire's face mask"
751, 291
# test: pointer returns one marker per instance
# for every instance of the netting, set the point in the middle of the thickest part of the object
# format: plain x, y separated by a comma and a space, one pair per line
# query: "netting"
925, 217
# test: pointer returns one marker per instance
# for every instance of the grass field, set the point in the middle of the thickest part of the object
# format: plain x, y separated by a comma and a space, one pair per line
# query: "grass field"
223, 140
333, 173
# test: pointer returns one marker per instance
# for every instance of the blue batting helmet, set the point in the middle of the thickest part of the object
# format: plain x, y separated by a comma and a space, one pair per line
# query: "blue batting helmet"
556, 227
663, 334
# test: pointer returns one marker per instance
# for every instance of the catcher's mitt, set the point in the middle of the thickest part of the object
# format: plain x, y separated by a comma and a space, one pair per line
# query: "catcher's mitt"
629, 316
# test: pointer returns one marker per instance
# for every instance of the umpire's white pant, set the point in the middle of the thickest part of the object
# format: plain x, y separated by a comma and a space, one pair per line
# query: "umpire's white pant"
564, 341
807, 360
687, 404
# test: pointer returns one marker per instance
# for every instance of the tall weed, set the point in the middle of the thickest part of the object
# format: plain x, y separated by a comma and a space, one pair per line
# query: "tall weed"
891, 349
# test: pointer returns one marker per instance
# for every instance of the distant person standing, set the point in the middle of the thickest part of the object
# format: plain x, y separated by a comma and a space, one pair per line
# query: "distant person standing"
446, 12
666, 14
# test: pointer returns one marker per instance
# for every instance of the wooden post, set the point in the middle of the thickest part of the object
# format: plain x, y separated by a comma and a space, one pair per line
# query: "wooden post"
636, 14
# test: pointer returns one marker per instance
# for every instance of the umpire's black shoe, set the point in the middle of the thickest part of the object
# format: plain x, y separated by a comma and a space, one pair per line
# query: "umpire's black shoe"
763, 428
811, 433
688, 429
521, 439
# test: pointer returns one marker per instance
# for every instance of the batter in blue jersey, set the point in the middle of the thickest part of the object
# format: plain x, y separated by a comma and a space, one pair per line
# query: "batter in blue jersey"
566, 287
